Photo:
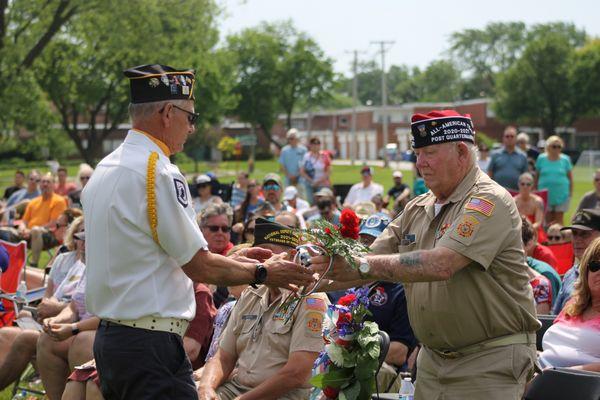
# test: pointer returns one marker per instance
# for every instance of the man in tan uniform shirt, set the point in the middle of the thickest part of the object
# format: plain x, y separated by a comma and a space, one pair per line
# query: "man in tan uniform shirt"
457, 249
272, 358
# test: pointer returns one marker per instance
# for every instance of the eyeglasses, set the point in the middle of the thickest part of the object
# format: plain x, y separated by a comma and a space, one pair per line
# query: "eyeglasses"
192, 117
594, 266
509, 136
556, 146
525, 183
215, 228
271, 187
555, 238
315, 142
84, 178
35, 180
203, 185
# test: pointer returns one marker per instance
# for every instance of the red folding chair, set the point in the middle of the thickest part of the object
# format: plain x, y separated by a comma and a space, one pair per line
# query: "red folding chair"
17, 255
564, 255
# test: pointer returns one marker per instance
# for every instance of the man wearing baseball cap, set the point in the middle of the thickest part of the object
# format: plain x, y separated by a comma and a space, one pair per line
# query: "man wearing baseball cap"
364, 190
399, 194
585, 226
458, 251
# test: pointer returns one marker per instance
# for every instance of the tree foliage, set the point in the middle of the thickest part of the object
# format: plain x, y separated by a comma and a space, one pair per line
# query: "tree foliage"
82, 70
552, 84
278, 68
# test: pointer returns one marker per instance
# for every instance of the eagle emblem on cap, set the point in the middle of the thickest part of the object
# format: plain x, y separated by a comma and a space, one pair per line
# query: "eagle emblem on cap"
153, 82
422, 130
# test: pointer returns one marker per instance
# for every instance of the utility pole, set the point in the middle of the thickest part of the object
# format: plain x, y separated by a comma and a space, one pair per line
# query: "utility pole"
354, 140
382, 44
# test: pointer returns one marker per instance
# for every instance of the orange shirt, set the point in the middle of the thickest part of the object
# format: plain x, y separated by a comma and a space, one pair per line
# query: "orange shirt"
39, 211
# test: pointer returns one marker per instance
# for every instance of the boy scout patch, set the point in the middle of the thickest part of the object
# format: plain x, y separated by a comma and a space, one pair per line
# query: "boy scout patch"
467, 226
480, 205
181, 192
315, 304
314, 322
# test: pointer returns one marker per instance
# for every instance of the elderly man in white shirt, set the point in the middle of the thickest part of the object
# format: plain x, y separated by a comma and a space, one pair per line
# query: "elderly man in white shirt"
363, 191
144, 247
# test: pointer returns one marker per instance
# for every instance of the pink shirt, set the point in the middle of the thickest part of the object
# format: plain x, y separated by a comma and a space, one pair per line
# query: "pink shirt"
571, 341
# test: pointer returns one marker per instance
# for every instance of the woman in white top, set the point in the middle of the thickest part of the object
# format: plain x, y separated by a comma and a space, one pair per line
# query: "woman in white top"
574, 338
205, 196
315, 169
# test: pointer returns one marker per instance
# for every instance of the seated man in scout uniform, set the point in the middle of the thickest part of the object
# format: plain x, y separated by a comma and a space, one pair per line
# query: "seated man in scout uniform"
272, 358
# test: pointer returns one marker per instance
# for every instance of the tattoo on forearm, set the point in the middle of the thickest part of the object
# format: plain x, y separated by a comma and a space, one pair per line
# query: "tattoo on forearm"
412, 258
415, 266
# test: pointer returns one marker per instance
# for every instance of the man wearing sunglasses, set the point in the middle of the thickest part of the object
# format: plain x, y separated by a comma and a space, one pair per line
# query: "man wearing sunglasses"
585, 226
272, 190
509, 162
144, 247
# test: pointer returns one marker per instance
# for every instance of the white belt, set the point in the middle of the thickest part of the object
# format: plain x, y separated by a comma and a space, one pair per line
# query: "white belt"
171, 325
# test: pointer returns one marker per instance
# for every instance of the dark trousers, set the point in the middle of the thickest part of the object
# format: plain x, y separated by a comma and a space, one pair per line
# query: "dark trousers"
137, 364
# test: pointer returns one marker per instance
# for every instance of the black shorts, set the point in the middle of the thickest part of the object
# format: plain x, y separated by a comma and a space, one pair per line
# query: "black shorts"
140, 364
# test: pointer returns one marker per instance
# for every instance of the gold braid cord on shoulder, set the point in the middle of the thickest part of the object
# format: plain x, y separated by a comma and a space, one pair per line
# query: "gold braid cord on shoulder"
151, 195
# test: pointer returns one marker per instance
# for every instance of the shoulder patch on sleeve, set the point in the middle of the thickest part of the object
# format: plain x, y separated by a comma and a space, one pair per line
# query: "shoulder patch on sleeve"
467, 225
314, 322
181, 192
481, 205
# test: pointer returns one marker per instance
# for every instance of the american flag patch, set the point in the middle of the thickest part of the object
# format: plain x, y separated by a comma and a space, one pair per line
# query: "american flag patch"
315, 304
481, 205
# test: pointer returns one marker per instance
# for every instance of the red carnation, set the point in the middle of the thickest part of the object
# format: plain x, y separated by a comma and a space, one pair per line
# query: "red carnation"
347, 299
349, 222
330, 392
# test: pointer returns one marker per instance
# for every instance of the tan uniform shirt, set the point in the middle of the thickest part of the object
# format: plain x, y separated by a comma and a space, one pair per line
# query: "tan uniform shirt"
490, 297
260, 340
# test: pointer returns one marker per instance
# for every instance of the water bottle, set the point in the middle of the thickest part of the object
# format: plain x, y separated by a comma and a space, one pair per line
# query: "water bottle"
20, 396
407, 390
22, 292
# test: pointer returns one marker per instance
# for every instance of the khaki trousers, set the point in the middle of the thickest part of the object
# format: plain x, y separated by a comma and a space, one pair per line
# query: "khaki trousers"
499, 373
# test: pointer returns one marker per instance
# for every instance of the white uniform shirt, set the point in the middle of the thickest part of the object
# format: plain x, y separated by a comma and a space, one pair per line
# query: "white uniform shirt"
360, 194
128, 274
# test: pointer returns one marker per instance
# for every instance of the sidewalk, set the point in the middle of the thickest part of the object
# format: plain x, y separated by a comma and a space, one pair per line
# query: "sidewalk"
395, 165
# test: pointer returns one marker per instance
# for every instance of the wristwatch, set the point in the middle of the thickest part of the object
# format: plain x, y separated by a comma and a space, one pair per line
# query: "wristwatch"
74, 329
260, 275
363, 267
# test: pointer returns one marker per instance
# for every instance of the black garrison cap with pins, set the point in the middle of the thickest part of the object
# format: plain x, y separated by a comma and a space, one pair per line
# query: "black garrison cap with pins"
156, 82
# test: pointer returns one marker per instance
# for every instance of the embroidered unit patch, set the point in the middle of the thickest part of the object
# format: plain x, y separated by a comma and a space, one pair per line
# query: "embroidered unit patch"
314, 322
467, 226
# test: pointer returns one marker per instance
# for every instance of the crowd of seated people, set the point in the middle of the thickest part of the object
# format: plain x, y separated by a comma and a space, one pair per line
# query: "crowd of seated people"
219, 334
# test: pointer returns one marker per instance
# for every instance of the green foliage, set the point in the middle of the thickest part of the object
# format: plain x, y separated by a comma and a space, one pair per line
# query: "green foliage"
278, 68
538, 87
82, 69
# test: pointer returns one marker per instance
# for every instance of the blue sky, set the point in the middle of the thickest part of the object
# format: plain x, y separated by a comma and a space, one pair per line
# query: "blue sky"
420, 29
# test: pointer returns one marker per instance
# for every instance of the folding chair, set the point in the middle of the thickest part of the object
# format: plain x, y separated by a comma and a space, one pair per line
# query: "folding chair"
564, 383
547, 321
17, 253
565, 256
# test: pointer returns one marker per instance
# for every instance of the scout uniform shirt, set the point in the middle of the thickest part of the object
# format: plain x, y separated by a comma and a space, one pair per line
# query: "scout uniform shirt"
258, 337
488, 298
130, 273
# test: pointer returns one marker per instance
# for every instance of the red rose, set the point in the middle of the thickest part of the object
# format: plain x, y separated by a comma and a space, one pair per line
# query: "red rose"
330, 392
328, 231
344, 317
349, 224
347, 299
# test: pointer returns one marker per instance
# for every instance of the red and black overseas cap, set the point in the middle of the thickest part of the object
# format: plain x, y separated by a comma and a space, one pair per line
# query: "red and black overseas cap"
155, 82
441, 126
